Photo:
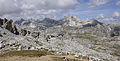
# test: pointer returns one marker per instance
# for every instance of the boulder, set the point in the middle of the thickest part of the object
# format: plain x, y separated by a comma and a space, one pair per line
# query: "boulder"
35, 34
1, 35
23, 32
2, 46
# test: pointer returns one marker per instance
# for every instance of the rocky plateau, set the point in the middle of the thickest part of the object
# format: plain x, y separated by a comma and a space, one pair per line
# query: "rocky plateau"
91, 38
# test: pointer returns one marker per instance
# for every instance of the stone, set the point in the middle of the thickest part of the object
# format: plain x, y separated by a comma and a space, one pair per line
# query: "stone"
2, 46
23, 32
35, 34
32, 48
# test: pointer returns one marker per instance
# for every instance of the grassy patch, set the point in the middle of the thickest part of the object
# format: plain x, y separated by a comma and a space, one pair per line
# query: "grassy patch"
102, 48
39, 43
4, 40
92, 47
60, 44
57, 59
82, 35
115, 46
112, 39
30, 53
95, 43
116, 53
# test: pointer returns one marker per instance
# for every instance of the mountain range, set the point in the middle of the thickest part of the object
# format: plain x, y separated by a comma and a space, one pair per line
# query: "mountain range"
92, 38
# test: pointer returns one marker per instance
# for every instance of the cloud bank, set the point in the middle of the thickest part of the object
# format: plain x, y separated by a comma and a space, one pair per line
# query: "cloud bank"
8, 7
34, 7
116, 14
118, 3
57, 8
94, 3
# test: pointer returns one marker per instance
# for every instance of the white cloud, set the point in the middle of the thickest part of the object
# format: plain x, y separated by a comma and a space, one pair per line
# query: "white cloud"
34, 7
116, 14
94, 3
48, 4
42, 12
100, 16
8, 7
118, 3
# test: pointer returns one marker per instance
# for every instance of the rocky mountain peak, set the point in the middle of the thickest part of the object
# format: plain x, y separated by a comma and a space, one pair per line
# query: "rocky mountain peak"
74, 21
95, 22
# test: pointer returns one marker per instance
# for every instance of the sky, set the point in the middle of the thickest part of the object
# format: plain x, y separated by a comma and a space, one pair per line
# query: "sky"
56, 9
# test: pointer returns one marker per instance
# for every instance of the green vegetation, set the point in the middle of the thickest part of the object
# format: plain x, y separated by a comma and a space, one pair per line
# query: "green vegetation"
70, 28
84, 57
4, 40
112, 39
83, 35
116, 53
115, 46
63, 32
30, 53
96, 43
102, 48
105, 60
39, 43
85, 27
92, 47
60, 44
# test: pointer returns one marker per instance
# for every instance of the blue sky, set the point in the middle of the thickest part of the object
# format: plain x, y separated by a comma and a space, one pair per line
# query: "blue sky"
58, 8
84, 11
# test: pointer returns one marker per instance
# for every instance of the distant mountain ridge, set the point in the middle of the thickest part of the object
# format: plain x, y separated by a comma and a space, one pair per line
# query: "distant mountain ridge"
110, 19
66, 21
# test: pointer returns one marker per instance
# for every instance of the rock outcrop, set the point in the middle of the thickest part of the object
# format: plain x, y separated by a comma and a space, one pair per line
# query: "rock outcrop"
74, 21
9, 25
35, 34
23, 32
92, 22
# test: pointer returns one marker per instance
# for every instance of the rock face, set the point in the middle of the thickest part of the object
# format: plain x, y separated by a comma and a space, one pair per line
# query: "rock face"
115, 31
9, 25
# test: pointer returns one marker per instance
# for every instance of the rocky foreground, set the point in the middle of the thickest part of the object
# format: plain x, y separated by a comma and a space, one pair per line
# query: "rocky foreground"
71, 35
